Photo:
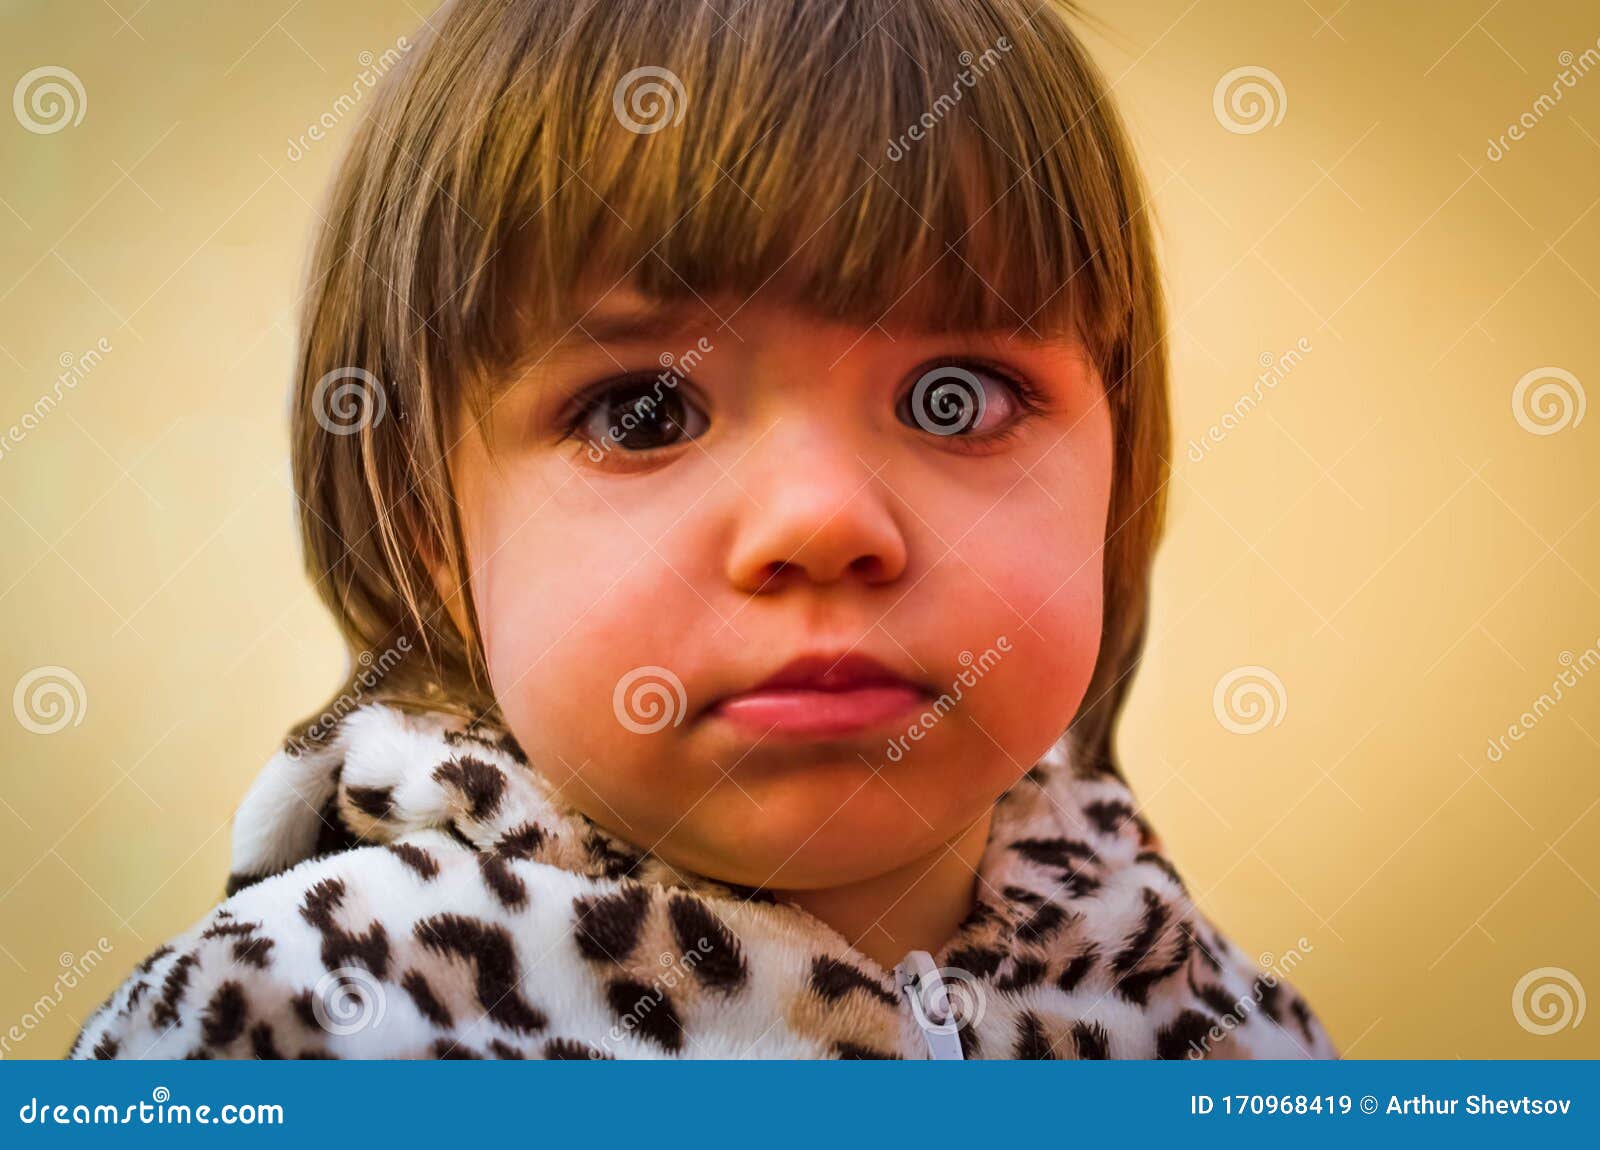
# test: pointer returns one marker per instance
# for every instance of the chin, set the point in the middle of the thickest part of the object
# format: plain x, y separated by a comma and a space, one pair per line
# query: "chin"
815, 869
820, 835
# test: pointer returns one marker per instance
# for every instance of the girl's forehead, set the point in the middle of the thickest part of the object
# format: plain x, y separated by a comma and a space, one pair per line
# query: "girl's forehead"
624, 312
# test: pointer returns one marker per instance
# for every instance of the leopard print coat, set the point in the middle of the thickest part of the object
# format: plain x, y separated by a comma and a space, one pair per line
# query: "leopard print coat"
408, 887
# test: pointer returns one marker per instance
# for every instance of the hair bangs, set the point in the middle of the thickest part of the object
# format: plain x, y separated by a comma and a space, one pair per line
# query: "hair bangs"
922, 165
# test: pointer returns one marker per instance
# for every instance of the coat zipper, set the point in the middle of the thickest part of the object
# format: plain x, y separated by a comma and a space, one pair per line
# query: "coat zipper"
922, 986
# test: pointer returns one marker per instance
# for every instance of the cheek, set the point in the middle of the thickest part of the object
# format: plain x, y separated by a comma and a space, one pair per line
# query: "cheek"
1029, 567
572, 601
1045, 599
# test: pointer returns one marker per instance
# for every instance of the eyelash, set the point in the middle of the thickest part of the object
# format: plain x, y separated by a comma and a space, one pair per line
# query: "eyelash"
1030, 397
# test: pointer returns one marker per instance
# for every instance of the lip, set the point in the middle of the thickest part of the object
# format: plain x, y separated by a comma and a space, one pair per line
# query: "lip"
820, 696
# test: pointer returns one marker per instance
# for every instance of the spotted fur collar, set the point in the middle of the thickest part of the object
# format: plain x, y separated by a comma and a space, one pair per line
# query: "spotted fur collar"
407, 885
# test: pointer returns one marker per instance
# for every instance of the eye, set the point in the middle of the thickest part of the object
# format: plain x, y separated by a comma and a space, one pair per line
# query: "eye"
961, 400
639, 415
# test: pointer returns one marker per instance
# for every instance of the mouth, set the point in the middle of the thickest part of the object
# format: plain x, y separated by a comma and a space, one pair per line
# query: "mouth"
822, 696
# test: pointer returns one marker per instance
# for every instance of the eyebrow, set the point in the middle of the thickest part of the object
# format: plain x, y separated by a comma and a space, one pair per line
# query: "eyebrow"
651, 323
634, 327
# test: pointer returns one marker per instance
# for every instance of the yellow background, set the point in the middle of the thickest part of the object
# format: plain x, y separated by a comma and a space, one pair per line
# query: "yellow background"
1380, 532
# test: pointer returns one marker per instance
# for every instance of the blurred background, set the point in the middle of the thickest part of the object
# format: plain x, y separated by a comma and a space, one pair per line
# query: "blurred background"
1369, 723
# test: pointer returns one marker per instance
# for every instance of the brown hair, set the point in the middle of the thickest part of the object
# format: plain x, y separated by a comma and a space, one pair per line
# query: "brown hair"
957, 157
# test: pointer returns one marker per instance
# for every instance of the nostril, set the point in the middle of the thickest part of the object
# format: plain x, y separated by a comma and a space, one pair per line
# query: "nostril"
869, 567
775, 572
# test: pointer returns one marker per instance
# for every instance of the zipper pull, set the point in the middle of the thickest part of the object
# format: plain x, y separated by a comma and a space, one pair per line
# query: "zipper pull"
919, 980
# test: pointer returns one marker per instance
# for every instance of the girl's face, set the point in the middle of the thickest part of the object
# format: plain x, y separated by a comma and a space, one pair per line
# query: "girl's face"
788, 602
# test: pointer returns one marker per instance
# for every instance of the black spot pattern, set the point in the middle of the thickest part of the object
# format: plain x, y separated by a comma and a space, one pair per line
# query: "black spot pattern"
833, 979
1042, 923
1214, 997
1067, 854
1108, 815
165, 1011
1266, 991
490, 740
570, 1049
502, 883
241, 880
1302, 1015
494, 959
1076, 969
613, 857
254, 951
1092, 1041
156, 956
1161, 863
377, 802
718, 959
855, 1050
1184, 1037
416, 985
482, 785
1133, 983
224, 1017
339, 947
981, 961
521, 842
1031, 1041
262, 1043
647, 1011
1024, 972
425, 866
301, 1003
607, 927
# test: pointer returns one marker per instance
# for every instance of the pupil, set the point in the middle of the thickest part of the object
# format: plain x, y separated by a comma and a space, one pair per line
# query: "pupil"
644, 420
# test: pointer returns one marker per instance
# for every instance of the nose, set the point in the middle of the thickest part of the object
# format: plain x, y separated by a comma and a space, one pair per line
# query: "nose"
820, 514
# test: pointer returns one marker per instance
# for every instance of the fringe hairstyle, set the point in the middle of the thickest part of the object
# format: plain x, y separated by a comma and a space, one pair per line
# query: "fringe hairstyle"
960, 158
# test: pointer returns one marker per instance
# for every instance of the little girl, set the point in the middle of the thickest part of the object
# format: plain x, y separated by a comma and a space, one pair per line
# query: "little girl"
733, 448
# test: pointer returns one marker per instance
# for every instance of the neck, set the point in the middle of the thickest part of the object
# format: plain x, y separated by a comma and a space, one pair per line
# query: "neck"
918, 906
